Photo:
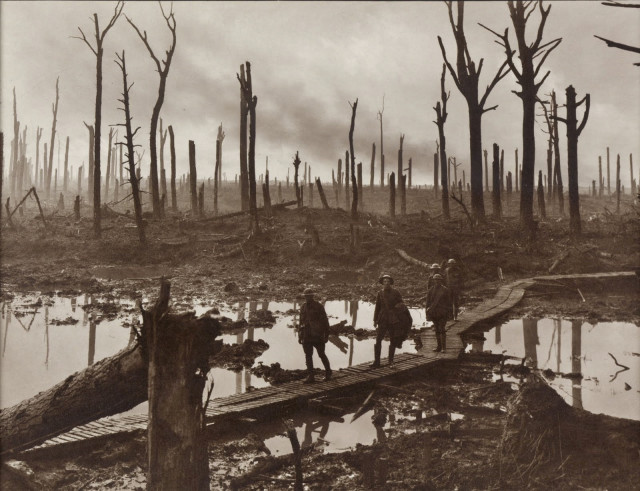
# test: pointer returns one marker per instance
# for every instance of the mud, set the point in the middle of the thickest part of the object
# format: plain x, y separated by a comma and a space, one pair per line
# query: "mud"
433, 451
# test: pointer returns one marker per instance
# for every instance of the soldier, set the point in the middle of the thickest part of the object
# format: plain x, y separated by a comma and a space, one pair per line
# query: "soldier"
385, 318
433, 270
314, 333
438, 310
454, 284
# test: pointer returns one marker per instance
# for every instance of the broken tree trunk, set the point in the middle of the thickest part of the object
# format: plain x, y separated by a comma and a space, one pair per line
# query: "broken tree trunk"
392, 195
323, 198
497, 205
193, 178
618, 185
172, 148
373, 165
80, 398
178, 351
541, 207
296, 166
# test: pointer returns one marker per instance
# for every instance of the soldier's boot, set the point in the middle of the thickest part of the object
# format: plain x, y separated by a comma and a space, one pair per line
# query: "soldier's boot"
443, 343
392, 352
310, 379
327, 374
439, 341
377, 349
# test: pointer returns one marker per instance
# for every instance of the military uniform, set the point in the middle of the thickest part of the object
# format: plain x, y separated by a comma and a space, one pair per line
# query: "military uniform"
438, 310
385, 315
454, 282
314, 333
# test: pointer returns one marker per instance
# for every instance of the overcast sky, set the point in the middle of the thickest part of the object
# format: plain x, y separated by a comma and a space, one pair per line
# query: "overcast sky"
309, 60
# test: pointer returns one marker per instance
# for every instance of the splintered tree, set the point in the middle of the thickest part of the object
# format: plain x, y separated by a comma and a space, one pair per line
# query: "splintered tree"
129, 135
163, 174
520, 13
172, 148
441, 118
54, 110
252, 101
354, 182
98, 51
244, 174
216, 172
379, 116
296, 166
573, 132
162, 67
466, 77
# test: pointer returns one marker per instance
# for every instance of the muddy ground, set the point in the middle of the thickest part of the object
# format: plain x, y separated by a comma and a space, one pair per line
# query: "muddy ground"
218, 260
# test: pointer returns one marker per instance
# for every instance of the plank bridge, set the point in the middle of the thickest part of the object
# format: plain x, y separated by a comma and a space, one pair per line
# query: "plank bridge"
278, 398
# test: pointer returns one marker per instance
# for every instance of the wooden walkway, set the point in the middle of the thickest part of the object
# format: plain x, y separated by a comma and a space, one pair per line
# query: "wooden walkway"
275, 399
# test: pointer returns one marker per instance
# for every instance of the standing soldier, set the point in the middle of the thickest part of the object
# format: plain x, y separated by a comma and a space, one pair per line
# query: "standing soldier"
314, 333
454, 283
438, 310
434, 269
385, 318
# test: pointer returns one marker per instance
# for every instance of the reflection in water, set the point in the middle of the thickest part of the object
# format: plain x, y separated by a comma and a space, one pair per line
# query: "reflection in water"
583, 349
67, 348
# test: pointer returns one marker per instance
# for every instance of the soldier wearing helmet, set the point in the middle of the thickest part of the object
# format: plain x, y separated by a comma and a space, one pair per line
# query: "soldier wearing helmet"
455, 282
433, 270
438, 310
385, 319
314, 333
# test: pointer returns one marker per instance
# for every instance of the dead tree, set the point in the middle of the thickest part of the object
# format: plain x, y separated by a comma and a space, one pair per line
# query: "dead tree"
608, 174
600, 179
172, 148
486, 171
347, 193
541, 207
162, 67
618, 184
441, 118
266, 195
298, 188
633, 181
54, 109
216, 171
557, 170
65, 182
162, 133
98, 52
201, 201
323, 198
518, 170
14, 146
354, 182
193, 178
573, 133
466, 78
129, 136
392, 195
400, 177
520, 13
38, 136
91, 167
360, 190
379, 116
252, 101
497, 203
614, 44
436, 165
373, 164
244, 175
108, 175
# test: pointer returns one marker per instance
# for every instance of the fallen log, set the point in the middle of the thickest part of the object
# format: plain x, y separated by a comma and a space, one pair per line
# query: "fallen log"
110, 386
240, 213
412, 260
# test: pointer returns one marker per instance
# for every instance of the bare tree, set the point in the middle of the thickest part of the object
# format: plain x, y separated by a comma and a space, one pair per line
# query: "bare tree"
216, 171
162, 67
244, 174
573, 132
14, 146
98, 52
466, 78
441, 118
163, 174
354, 182
520, 13
172, 148
54, 109
614, 44
129, 136
379, 116
252, 101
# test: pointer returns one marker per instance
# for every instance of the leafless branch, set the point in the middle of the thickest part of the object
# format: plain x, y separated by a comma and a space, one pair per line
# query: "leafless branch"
614, 44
